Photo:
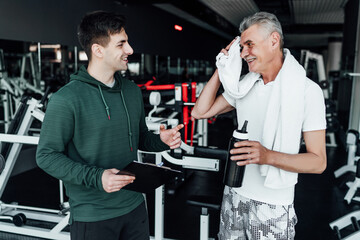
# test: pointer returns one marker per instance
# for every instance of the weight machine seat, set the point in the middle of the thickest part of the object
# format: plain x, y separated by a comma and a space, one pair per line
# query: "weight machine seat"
209, 202
210, 153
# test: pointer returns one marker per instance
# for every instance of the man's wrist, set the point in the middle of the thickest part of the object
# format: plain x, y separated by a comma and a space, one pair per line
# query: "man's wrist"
270, 158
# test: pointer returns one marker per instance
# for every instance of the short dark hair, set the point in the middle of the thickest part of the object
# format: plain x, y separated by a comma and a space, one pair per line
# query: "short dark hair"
96, 27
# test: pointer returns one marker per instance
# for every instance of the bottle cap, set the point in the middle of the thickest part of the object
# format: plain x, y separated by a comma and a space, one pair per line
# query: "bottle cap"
243, 129
239, 135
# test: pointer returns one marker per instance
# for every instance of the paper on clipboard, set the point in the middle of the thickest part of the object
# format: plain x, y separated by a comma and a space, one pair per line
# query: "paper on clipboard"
148, 176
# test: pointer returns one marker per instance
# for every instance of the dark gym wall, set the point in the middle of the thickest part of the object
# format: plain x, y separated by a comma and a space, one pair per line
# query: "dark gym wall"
347, 61
150, 30
350, 33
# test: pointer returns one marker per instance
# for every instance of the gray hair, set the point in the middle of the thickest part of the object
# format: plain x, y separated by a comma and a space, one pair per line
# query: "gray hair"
266, 20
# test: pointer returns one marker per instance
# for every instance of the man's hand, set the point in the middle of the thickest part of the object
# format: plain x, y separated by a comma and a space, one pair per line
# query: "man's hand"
171, 137
226, 49
250, 152
313, 161
112, 182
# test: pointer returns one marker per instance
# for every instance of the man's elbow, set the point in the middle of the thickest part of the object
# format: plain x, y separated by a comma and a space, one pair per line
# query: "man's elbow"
322, 166
39, 160
196, 115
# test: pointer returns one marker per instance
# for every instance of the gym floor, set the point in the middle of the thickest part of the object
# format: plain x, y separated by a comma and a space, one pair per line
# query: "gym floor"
318, 198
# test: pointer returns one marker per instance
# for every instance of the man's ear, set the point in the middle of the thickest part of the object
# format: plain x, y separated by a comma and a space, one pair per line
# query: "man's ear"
97, 50
275, 39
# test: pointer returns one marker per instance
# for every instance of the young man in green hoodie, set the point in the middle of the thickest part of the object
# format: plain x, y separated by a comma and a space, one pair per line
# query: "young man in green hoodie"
93, 127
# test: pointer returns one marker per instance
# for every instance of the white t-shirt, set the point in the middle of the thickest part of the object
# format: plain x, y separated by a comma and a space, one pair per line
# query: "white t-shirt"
253, 108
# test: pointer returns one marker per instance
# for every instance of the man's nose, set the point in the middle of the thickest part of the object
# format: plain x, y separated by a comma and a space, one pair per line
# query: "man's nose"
129, 50
244, 52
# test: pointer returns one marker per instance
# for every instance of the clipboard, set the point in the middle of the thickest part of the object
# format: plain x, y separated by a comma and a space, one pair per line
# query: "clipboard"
149, 176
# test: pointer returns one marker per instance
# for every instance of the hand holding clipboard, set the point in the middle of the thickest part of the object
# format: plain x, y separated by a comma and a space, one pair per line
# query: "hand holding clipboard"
148, 176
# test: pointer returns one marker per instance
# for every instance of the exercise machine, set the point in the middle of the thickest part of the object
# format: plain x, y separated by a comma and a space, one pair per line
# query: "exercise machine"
346, 221
352, 142
318, 75
184, 98
198, 158
205, 203
13, 88
352, 165
191, 162
12, 142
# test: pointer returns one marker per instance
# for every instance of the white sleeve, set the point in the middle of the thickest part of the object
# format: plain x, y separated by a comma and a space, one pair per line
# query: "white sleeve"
314, 112
229, 99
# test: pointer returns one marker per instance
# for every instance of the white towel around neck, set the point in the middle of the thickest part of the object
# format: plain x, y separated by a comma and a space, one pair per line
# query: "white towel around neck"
283, 119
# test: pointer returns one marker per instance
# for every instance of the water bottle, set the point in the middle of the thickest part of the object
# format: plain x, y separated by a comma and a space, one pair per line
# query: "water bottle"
234, 174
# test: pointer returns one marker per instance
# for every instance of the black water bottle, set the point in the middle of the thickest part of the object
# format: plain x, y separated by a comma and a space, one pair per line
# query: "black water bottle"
234, 174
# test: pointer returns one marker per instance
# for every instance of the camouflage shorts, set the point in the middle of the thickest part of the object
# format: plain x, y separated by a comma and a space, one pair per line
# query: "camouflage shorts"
242, 218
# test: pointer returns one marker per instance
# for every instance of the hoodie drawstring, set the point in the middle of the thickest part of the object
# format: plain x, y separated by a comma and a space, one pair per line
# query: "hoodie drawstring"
128, 120
126, 112
103, 99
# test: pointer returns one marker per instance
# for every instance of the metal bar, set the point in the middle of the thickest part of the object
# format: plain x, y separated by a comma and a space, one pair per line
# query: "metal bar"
159, 206
33, 231
61, 225
39, 65
29, 208
16, 147
353, 74
14, 138
75, 58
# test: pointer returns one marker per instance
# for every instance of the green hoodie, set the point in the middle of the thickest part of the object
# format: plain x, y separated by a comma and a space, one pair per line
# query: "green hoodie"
89, 127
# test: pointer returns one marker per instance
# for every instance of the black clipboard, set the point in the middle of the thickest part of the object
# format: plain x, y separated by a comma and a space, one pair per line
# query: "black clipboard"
148, 176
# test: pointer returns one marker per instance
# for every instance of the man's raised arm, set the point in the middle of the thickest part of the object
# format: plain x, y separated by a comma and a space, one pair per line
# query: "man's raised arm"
208, 105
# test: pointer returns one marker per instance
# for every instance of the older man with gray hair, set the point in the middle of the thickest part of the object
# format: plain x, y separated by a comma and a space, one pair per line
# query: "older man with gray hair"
282, 107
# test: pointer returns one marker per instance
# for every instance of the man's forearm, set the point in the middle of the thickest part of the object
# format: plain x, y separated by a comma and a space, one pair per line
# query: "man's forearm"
314, 161
207, 96
61, 167
300, 163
